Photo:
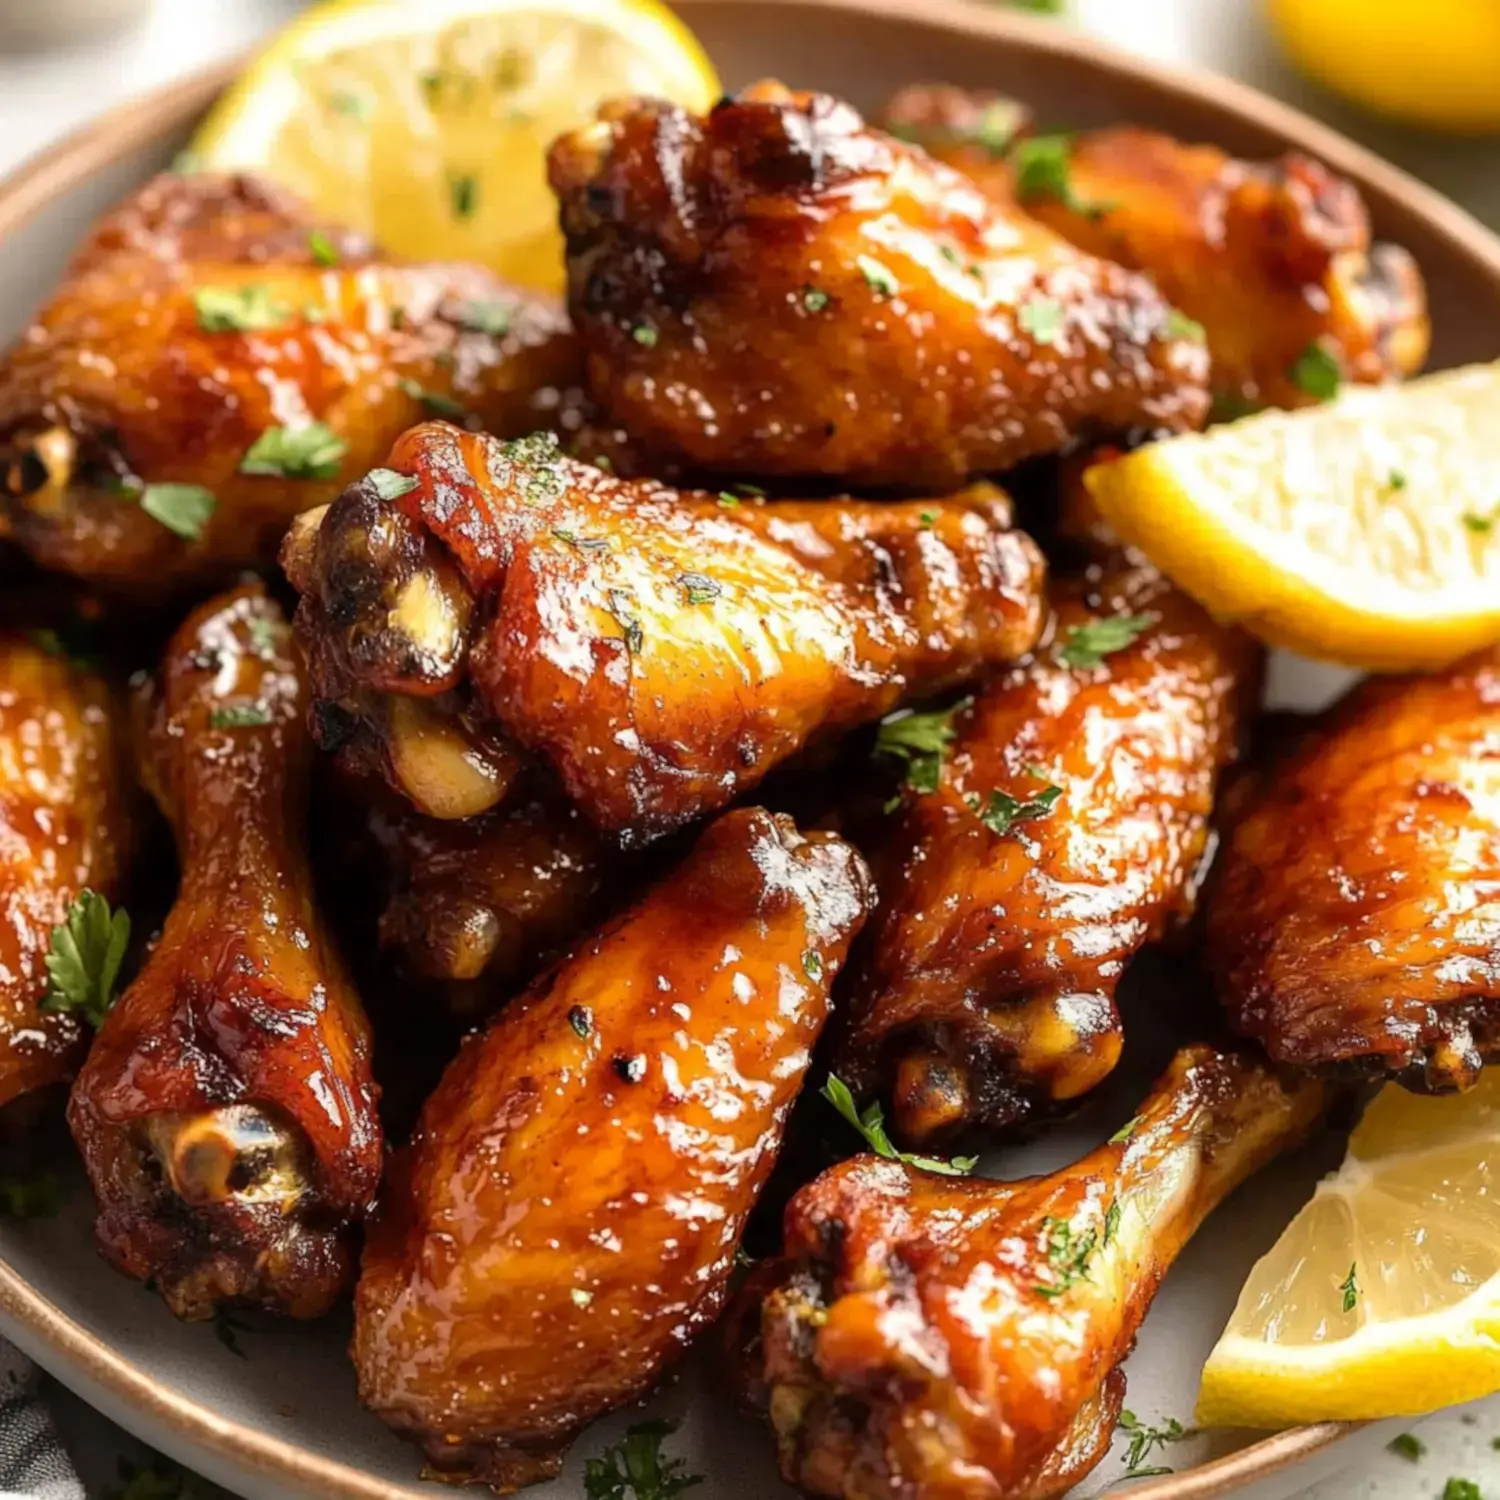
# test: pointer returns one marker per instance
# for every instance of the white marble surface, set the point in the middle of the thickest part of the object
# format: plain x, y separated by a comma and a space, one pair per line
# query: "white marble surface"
44, 92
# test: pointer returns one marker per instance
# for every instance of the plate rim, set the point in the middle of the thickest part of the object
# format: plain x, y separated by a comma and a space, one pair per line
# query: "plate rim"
107, 138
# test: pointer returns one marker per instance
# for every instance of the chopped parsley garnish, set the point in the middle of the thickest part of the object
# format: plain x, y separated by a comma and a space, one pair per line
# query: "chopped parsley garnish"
701, 589
434, 401
321, 248
581, 1297
1088, 644
728, 501
877, 277
920, 740
310, 452
242, 309
1395, 480
1350, 1289
1043, 170
812, 964
1126, 1131
1143, 1440
1461, 1489
1112, 1218
1317, 372
582, 543
581, 1019
491, 315
240, 716
1042, 318
38, 1197
997, 125
183, 509
927, 519
620, 606
83, 962
815, 299
1068, 1256
1408, 1446
1481, 525
871, 1124
356, 106
390, 484
644, 335
748, 491
1180, 326
463, 194
637, 1469
1001, 812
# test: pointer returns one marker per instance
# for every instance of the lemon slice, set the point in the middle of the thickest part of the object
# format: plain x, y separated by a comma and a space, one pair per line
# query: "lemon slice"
1365, 532
425, 123
1382, 1298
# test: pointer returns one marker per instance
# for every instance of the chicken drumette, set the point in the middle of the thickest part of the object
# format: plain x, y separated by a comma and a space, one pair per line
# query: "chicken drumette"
776, 289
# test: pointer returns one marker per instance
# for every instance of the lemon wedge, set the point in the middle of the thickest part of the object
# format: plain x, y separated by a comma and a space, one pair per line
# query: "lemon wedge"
1366, 531
425, 123
1382, 1298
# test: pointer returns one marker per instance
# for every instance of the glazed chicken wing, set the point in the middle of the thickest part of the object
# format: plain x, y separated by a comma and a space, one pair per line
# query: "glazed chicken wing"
202, 330
1354, 919
1272, 258
931, 1338
66, 826
565, 1220
1067, 828
226, 1112
777, 289
661, 650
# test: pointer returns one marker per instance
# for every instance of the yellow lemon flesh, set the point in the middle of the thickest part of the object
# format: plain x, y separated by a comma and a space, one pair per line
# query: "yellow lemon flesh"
1427, 62
1382, 1298
425, 123
1365, 532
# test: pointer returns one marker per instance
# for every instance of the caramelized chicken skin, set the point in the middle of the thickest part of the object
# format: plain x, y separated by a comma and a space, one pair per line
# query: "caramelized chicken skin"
565, 1220
1354, 919
661, 650
777, 289
66, 825
226, 1112
986, 991
204, 313
939, 1338
1271, 258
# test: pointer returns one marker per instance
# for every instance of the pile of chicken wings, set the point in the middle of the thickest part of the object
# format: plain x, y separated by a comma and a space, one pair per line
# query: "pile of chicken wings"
584, 731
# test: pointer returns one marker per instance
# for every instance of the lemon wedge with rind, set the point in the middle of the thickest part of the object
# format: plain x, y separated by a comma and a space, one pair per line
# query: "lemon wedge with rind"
1382, 1297
1365, 532
425, 123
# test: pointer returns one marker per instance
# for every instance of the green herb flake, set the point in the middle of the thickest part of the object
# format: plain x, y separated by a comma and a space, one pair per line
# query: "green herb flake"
637, 1469
1461, 1489
1112, 1218
1145, 1440
183, 509
1316, 371
621, 606
812, 964
322, 248
1350, 1289
358, 107
264, 637
1127, 1131
927, 519
389, 484
1001, 812
1395, 480
871, 1125
1180, 326
1408, 1446
39, 1197
919, 741
644, 335
701, 589
83, 962
581, 1298
1481, 525
243, 309
815, 299
491, 315
239, 716
1043, 167
581, 543
463, 194
996, 127
728, 501
1068, 1256
1041, 7
1087, 645
877, 277
434, 401
1042, 318
310, 452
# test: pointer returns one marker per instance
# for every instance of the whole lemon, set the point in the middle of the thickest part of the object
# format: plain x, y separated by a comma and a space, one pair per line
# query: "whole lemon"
1427, 62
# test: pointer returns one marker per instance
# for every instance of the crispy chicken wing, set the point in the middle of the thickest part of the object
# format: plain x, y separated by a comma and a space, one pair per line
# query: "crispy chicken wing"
565, 1221
939, 1338
226, 1112
662, 650
777, 289
1354, 920
1272, 258
66, 825
1067, 828
207, 312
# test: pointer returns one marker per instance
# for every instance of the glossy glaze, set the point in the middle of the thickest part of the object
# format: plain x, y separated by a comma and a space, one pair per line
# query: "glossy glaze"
1354, 920
985, 994
66, 825
662, 650
777, 289
1270, 257
117, 380
939, 1338
226, 1112
565, 1221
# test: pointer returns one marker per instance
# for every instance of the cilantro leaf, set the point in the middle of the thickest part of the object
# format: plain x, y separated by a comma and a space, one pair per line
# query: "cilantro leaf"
242, 309
871, 1125
1042, 318
88, 947
1316, 371
920, 740
1088, 644
1043, 165
310, 452
877, 277
388, 484
637, 1469
321, 248
1002, 812
184, 509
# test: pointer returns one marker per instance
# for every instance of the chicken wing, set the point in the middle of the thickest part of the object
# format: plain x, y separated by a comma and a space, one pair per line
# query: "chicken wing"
662, 650
216, 359
1354, 920
777, 289
1273, 258
66, 826
934, 1337
565, 1221
226, 1112
1065, 829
